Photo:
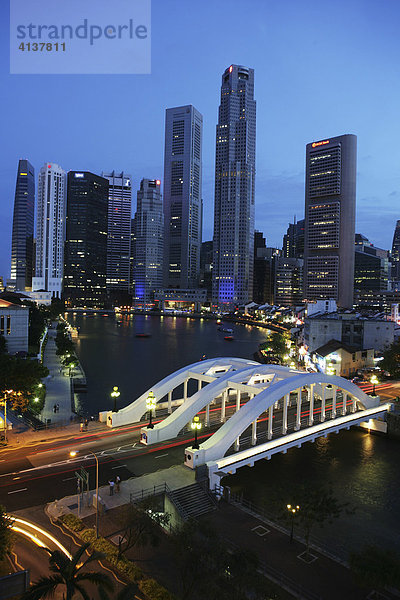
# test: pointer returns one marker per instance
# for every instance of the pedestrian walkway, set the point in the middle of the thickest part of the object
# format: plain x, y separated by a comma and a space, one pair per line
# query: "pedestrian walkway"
58, 385
175, 477
21, 435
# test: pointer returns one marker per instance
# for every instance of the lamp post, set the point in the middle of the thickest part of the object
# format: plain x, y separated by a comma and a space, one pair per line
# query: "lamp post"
150, 405
374, 381
4, 402
74, 453
292, 510
196, 425
115, 394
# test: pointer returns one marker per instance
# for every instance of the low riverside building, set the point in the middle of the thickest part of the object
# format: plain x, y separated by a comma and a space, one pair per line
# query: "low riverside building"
189, 300
14, 321
337, 358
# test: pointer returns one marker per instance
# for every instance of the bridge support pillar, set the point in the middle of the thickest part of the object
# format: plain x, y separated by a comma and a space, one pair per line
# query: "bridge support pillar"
344, 409
185, 383
270, 418
170, 402
237, 444
238, 397
334, 402
311, 405
323, 403
284, 415
354, 405
223, 405
298, 410
199, 385
254, 433
207, 423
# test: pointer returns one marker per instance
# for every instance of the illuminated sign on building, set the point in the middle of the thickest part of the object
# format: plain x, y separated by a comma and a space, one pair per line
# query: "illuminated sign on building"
315, 144
79, 175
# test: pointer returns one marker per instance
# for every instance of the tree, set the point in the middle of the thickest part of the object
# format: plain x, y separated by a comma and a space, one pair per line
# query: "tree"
141, 526
375, 568
69, 573
391, 360
19, 378
317, 506
6, 534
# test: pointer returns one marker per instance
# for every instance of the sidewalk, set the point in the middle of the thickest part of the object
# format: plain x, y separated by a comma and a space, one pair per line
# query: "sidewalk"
175, 477
58, 386
21, 435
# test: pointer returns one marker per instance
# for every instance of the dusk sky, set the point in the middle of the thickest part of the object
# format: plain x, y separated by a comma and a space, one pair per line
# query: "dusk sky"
321, 70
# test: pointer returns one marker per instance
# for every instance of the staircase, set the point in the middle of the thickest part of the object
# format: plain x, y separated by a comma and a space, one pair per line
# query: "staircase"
192, 501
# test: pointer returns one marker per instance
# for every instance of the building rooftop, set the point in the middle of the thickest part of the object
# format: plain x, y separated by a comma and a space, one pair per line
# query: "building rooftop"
333, 346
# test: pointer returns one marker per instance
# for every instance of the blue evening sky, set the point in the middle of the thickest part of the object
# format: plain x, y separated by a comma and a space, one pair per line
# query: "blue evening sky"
321, 69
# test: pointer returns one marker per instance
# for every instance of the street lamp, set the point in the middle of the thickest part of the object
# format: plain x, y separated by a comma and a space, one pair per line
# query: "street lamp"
74, 453
374, 381
196, 425
292, 510
4, 402
150, 405
115, 394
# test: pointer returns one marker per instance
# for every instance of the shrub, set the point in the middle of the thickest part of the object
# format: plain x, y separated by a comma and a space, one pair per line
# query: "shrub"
88, 536
154, 591
72, 522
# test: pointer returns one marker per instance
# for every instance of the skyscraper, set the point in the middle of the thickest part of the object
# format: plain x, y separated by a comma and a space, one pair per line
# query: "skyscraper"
234, 189
395, 256
148, 233
50, 229
85, 261
293, 240
182, 196
330, 204
22, 231
119, 234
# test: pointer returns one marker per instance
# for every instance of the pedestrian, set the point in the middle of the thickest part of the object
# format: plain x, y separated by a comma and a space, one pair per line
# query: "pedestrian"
86, 424
58, 408
55, 408
81, 426
111, 487
117, 484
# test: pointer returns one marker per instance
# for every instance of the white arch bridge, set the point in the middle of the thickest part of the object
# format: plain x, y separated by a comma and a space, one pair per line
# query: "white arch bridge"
259, 410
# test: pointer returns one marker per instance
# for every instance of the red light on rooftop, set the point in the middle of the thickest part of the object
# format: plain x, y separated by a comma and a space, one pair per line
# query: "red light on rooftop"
315, 144
49, 166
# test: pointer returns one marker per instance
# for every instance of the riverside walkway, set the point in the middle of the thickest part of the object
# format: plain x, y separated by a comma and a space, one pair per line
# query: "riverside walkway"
58, 386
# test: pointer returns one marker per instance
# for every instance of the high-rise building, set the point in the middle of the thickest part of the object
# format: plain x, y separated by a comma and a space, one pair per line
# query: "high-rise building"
293, 240
206, 258
234, 189
288, 281
395, 256
182, 196
50, 229
371, 271
22, 231
330, 204
85, 257
119, 234
148, 233
265, 260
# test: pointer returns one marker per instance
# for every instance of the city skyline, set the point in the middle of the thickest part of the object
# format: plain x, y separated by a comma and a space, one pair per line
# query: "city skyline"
287, 120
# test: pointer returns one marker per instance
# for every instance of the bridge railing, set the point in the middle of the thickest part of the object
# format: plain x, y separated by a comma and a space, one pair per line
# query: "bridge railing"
158, 490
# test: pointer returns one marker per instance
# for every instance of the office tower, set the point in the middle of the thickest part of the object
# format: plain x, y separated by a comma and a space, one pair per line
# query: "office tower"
395, 256
234, 189
182, 196
293, 240
119, 235
288, 281
330, 203
148, 233
85, 257
50, 229
206, 258
22, 231
371, 271
264, 270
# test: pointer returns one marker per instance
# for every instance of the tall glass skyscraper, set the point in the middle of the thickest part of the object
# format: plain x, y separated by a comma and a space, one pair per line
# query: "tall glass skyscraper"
395, 256
182, 196
234, 189
330, 207
148, 233
22, 231
119, 233
50, 229
86, 240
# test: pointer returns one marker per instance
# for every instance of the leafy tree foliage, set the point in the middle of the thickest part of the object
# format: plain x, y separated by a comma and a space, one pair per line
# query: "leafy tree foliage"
18, 379
376, 568
71, 575
6, 534
391, 360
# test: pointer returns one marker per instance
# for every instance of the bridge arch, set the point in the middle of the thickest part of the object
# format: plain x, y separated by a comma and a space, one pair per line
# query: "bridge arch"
134, 411
218, 444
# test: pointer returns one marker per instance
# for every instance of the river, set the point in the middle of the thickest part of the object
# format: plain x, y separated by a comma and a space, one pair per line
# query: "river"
362, 469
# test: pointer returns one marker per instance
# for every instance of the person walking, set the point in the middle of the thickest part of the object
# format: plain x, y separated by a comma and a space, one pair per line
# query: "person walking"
117, 484
111, 482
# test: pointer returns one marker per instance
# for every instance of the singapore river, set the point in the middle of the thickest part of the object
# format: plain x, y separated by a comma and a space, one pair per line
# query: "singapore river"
361, 469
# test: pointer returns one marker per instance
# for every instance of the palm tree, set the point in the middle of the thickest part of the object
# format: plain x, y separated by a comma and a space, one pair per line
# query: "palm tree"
70, 573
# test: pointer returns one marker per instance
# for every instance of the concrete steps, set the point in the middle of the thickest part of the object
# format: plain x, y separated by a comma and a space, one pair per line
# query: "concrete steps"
192, 501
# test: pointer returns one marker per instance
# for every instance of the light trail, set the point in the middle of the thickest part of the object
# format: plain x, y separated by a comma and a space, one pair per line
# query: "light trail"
39, 530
